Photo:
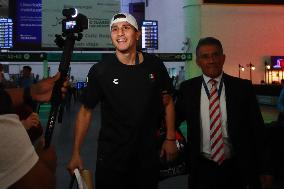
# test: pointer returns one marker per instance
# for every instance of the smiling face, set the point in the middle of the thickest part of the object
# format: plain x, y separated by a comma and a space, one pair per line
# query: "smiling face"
124, 37
210, 59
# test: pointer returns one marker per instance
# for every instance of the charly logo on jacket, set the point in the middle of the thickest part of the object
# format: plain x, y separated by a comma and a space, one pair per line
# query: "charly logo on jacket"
115, 81
152, 76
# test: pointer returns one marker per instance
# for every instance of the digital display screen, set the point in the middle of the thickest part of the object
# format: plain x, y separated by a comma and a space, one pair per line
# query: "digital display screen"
6, 33
277, 62
28, 25
70, 25
150, 34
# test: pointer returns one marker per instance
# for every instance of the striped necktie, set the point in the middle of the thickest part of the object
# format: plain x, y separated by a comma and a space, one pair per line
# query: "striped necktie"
216, 138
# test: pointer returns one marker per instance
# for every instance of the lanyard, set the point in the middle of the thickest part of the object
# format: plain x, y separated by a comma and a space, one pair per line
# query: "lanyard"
207, 91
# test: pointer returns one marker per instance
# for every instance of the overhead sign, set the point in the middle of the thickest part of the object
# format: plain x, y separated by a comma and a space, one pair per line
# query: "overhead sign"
28, 21
6, 33
22, 57
174, 57
149, 34
76, 57
82, 57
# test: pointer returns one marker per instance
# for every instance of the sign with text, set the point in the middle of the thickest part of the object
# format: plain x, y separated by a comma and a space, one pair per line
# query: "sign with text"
99, 13
6, 33
149, 34
174, 57
28, 22
23, 57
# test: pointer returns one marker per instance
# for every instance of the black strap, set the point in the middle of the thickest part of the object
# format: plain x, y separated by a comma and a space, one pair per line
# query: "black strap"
137, 59
207, 90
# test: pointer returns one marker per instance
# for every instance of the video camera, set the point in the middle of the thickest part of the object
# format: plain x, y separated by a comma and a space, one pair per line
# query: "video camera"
74, 21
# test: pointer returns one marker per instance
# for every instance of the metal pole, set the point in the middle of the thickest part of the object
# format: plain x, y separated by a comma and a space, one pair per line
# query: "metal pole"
250, 76
268, 77
265, 74
239, 71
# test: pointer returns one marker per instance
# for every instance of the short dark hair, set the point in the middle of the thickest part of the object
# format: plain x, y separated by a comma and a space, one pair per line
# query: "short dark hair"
27, 67
208, 41
119, 16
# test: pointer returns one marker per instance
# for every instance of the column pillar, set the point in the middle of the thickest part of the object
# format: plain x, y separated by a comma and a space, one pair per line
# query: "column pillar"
192, 18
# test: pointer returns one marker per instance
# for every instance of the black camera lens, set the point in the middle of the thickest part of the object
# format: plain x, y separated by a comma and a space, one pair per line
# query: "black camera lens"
69, 12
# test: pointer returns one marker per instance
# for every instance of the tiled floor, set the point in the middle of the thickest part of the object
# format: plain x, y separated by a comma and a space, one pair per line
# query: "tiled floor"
63, 137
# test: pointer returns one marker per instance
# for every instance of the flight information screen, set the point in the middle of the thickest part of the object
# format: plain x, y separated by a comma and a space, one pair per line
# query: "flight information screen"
150, 34
6, 33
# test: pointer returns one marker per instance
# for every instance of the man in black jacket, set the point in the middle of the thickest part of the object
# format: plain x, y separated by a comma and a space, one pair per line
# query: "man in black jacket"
225, 127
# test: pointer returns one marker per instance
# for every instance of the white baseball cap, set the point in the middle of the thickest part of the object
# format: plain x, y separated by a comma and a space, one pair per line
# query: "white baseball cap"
124, 17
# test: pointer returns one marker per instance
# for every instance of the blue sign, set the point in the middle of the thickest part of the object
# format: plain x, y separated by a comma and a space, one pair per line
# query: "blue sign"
28, 25
81, 84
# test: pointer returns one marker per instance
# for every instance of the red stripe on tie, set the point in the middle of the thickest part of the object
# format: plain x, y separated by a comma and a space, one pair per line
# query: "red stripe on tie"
216, 141
212, 102
215, 120
221, 159
215, 131
217, 151
213, 93
215, 109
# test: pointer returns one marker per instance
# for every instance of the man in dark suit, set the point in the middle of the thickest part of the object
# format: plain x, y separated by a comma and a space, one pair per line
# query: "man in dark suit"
226, 138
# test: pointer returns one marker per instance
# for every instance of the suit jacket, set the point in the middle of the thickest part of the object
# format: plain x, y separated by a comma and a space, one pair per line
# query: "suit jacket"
245, 124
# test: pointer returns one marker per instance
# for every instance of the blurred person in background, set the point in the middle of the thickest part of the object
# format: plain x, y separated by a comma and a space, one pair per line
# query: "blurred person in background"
27, 79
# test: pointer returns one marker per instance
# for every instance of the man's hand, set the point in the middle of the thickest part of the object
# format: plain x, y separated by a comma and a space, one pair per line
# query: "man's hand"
74, 163
31, 121
169, 149
42, 91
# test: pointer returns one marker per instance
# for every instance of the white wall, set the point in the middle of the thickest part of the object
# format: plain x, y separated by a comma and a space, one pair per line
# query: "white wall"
169, 15
248, 34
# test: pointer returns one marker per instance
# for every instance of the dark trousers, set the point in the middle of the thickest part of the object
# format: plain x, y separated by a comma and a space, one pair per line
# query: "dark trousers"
134, 179
210, 175
280, 118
